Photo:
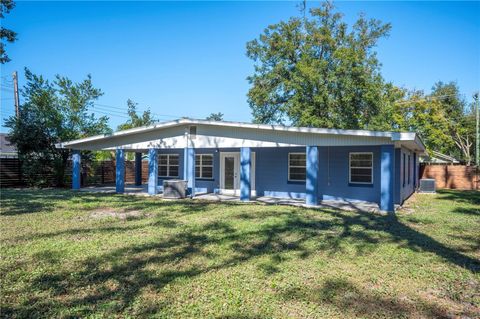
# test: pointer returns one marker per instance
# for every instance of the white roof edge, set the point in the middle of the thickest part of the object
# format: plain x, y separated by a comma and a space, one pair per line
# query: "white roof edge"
395, 136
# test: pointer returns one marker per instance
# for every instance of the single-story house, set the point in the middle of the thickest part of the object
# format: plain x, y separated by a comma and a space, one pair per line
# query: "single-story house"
248, 160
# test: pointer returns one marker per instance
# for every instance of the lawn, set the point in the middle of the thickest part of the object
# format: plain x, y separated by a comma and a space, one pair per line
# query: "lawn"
72, 254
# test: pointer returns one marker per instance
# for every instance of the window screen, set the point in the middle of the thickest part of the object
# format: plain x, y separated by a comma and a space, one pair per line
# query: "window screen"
297, 166
168, 165
204, 166
361, 168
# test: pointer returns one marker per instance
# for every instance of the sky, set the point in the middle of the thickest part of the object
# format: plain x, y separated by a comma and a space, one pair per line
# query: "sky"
188, 58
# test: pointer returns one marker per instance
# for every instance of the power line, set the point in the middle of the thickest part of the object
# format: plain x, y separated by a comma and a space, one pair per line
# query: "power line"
109, 114
140, 110
112, 112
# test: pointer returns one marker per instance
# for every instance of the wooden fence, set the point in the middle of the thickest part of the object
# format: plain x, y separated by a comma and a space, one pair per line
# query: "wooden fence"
93, 173
10, 173
452, 176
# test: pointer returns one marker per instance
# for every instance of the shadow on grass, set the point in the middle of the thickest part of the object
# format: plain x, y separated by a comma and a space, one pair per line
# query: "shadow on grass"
31, 201
468, 197
112, 283
360, 302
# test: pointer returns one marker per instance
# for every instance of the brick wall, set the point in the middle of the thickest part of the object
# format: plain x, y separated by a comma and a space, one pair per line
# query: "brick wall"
452, 176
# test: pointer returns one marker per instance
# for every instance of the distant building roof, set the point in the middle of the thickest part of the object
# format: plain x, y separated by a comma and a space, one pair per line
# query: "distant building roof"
6, 149
435, 157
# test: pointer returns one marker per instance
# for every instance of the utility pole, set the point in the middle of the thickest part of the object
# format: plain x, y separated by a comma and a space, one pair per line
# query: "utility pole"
15, 93
475, 96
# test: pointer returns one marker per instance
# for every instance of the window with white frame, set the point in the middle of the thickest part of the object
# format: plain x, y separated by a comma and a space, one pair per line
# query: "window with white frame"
361, 168
297, 167
204, 166
168, 165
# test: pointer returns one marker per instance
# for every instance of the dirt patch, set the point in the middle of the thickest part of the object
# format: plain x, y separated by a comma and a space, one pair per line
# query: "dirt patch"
117, 213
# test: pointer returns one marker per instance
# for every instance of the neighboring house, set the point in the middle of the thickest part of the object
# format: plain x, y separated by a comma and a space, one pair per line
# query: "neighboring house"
268, 160
434, 157
6, 149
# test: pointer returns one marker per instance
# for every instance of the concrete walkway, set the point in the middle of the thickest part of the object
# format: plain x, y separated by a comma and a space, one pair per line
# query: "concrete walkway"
344, 205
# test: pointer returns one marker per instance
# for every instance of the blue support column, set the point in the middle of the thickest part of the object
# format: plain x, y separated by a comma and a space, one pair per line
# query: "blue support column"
138, 168
312, 176
152, 171
120, 171
189, 170
245, 173
387, 178
76, 169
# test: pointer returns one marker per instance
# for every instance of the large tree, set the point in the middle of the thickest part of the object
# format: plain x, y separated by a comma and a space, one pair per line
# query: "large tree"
460, 118
136, 120
6, 35
420, 113
442, 118
52, 112
215, 117
317, 71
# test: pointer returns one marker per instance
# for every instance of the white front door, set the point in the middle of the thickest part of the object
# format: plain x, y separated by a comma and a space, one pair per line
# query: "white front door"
230, 173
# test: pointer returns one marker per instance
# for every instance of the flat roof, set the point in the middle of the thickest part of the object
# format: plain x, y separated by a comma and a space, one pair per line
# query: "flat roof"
394, 136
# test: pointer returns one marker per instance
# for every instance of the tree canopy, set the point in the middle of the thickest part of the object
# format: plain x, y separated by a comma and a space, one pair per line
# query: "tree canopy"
442, 118
53, 112
6, 35
317, 71
215, 117
136, 120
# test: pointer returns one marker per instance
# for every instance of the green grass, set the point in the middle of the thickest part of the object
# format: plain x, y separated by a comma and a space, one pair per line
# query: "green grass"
61, 256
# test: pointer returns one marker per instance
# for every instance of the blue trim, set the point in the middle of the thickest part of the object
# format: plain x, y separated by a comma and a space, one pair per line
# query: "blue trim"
296, 182
201, 190
387, 173
152, 171
245, 176
343, 199
279, 194
360, 185
138, 168
120, 171
76, 169
312, 176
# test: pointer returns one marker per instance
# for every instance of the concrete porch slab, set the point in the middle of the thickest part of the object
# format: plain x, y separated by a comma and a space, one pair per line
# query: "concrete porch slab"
335, 204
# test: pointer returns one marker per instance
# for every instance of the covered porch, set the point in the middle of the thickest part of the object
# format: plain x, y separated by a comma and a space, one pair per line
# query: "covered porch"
236, 174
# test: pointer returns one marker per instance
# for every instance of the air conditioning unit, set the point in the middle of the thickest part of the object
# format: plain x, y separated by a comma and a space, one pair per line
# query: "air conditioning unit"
174, 188
427, 185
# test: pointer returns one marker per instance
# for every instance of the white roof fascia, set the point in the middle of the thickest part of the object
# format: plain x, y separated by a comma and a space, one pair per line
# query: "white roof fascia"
395, 136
